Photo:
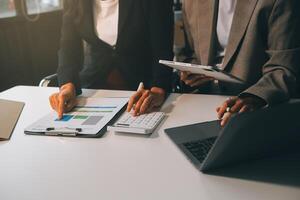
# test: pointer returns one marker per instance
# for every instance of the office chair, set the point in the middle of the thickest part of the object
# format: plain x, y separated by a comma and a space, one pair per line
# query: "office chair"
52, 79
47, 80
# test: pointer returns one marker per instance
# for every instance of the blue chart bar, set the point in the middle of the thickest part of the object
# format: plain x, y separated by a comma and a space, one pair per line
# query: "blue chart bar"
65, 118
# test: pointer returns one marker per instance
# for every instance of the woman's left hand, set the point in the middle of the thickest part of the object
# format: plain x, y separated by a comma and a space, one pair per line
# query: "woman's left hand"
238, 105
144, 101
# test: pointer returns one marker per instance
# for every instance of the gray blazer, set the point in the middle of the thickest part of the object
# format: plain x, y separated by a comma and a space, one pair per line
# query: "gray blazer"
264, 44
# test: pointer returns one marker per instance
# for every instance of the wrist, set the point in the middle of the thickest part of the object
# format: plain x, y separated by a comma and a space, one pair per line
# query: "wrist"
256, 100
68, 86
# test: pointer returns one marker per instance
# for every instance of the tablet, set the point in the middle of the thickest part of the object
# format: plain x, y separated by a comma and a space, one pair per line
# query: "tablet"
10, 113
210, 71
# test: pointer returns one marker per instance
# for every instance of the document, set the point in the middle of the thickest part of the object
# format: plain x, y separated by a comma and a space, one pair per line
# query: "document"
88, 117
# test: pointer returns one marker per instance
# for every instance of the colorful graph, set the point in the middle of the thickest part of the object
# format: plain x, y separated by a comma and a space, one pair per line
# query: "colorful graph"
94, 109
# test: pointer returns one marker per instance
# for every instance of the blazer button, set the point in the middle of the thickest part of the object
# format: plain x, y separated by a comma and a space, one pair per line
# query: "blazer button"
114, 47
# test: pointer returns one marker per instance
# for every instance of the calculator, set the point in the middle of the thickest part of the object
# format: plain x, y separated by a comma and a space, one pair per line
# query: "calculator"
142, 124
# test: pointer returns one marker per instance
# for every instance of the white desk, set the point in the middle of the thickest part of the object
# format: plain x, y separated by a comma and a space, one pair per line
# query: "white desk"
116, 166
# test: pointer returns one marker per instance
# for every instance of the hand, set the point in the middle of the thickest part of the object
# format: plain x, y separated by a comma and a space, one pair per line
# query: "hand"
238, 105
194, 80
144, 101
63, 101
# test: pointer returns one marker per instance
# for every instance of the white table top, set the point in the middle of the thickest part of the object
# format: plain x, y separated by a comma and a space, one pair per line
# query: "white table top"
116, 166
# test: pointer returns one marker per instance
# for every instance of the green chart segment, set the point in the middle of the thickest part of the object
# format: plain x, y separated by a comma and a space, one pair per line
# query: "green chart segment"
80, 117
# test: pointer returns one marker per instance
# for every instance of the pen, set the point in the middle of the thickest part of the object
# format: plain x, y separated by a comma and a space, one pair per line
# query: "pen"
141, 87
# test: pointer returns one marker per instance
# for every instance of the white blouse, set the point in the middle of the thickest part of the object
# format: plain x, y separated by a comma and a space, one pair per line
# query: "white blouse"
106, 19
225, 18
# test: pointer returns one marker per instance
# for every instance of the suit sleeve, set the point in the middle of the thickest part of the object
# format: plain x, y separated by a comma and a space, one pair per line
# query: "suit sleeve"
161, 28
278, 82
70, 55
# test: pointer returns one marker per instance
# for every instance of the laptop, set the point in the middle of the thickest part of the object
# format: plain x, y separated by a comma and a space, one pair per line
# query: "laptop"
10, 113
247, 136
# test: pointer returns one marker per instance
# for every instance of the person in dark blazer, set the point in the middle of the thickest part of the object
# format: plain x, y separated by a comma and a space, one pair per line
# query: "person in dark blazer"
254, 40
115, 44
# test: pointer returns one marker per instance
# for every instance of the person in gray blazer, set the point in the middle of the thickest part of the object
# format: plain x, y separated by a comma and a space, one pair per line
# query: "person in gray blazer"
255, 40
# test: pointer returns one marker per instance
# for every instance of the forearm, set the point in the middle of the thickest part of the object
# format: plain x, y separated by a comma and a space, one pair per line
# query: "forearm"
274, 87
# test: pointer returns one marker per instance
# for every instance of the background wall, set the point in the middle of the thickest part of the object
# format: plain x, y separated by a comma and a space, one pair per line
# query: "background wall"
28, 43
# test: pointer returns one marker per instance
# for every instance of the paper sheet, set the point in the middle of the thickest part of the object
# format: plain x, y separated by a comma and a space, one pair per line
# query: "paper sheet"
90, 115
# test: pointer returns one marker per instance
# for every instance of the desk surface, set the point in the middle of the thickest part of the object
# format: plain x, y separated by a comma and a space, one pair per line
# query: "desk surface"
117, 166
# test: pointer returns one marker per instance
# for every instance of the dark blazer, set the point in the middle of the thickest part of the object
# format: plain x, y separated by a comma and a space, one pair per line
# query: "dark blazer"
263, 48
145, 35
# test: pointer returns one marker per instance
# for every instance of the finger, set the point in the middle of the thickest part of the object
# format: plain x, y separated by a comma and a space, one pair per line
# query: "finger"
184, 75
245, 108
70, 101
225, 118
188, 76
218, 109
201, 82
133, 99
237, 106
147, 104
140, 102
70, 105
151, 108
55, 102
51, 101
193, 78
61, 106
225, 105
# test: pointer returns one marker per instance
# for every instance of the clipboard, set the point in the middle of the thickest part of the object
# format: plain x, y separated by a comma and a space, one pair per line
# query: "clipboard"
210, 71
75, 132
87, 120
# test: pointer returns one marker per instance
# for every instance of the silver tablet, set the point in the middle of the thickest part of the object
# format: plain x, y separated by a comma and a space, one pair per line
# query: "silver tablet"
210, 71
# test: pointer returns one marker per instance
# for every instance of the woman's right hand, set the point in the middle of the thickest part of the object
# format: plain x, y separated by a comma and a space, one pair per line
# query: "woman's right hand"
64, 100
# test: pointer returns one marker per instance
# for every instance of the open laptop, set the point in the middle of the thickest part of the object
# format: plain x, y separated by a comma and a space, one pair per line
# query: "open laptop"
10, 113
246, 136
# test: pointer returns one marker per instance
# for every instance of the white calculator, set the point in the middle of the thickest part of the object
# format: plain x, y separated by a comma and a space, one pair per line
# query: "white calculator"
143, 124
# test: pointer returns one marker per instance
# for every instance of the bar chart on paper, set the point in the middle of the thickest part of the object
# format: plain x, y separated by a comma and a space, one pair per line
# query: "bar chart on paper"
90, 115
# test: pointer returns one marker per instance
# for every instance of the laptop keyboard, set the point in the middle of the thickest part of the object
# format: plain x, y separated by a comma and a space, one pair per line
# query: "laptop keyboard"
200, 148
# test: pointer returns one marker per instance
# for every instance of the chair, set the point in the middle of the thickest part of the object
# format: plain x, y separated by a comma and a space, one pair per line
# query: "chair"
47, 80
